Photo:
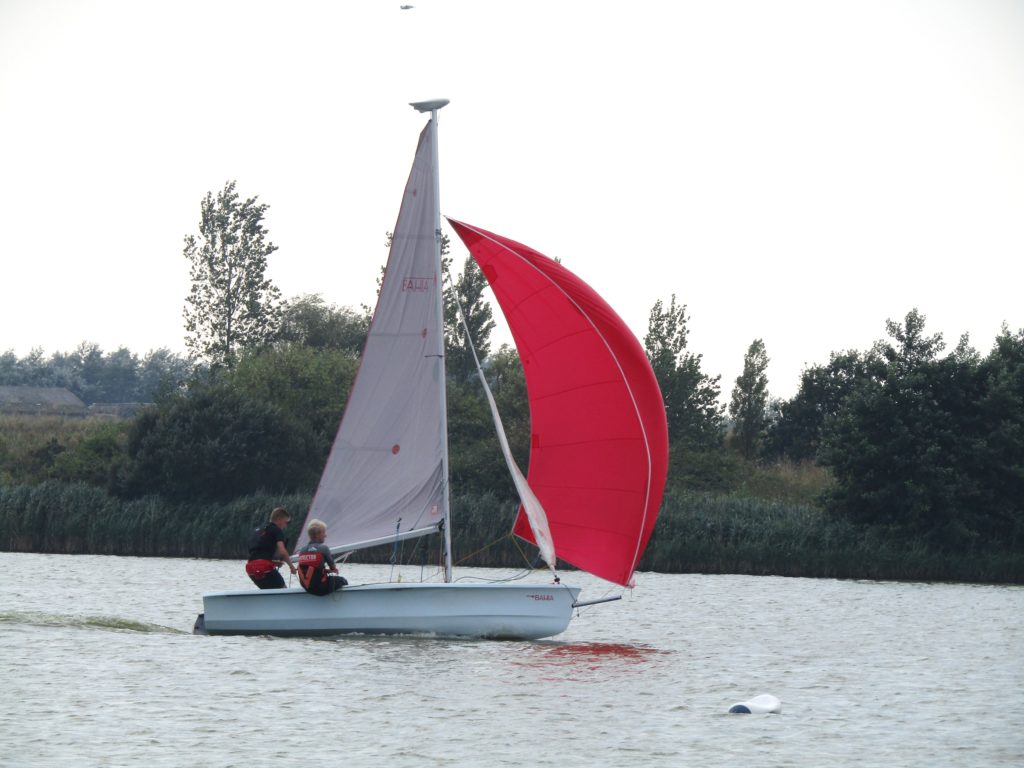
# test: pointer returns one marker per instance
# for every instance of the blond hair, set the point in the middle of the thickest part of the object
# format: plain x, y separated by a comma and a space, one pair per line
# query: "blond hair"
316, 526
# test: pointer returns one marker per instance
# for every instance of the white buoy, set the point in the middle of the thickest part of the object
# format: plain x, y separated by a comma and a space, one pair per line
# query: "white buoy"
759, 705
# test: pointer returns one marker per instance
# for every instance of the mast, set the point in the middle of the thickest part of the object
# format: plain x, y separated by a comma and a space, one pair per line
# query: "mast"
432, 107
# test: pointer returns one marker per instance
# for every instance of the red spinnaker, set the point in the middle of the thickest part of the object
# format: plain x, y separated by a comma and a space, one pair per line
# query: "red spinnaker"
599, 440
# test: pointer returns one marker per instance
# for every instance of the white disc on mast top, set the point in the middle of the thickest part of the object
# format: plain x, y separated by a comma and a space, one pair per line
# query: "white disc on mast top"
428, 106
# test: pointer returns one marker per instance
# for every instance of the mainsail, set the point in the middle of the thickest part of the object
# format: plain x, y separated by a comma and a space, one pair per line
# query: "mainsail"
599, 440
385, 475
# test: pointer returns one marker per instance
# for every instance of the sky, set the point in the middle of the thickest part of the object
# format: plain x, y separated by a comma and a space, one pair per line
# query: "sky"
796, 171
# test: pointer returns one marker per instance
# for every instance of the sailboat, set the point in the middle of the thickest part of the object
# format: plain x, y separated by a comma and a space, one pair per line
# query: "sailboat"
598, 445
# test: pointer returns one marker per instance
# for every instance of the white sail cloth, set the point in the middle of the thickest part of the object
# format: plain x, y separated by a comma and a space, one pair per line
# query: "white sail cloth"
385, 473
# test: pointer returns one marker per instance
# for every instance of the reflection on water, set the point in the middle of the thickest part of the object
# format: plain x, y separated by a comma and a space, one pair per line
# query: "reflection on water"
586, 656
100, 668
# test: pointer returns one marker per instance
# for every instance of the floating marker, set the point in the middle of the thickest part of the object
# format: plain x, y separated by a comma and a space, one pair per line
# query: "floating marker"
759, 705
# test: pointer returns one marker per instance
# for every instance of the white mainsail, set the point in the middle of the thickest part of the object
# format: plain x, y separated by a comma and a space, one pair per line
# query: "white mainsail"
386, 473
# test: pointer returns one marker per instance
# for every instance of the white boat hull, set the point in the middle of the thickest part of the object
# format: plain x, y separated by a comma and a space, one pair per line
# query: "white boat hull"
497, 611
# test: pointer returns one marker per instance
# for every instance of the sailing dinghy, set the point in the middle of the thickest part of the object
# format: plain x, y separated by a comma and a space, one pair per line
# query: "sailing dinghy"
598, 452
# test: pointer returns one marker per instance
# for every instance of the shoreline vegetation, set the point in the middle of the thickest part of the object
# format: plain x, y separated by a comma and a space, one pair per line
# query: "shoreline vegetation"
895, 463
696, 533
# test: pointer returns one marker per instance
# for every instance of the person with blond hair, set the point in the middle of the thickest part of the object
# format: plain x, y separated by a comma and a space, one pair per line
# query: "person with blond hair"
318, 573
267, 552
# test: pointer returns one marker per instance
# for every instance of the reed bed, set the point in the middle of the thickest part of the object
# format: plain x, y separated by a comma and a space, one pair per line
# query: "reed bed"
76, 518
706, 533
695, 533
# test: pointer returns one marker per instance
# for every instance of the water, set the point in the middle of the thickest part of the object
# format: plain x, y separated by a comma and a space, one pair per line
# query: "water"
99, 668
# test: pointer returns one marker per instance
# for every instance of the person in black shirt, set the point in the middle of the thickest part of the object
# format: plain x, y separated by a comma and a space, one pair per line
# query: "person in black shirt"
267, 552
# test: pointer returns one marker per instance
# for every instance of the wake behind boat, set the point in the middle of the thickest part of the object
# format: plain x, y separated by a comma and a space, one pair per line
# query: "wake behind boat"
594, 485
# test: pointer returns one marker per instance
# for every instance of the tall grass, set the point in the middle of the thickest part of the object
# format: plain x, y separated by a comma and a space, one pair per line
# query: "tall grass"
81, 519
695, 533
704, 533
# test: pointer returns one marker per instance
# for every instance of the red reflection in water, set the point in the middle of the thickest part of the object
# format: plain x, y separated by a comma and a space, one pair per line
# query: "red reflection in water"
588, 655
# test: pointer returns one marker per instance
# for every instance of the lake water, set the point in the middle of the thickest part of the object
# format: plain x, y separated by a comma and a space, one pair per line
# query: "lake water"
99, 668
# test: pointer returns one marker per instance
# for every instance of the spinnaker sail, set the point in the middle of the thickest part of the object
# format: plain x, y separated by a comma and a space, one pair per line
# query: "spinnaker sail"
598, 434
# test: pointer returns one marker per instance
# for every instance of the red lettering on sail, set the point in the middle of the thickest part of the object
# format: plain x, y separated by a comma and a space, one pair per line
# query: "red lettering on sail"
416, 284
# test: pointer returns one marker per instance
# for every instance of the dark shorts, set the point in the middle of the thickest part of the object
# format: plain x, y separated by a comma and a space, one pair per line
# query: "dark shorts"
333, 584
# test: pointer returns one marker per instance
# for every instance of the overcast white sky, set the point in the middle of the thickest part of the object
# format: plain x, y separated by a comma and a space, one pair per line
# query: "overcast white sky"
796, 171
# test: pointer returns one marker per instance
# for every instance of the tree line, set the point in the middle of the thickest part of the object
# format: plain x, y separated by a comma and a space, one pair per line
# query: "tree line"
899, 441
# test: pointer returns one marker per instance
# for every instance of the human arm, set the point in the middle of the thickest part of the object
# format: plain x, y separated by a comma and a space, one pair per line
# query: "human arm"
281, 554
328, 558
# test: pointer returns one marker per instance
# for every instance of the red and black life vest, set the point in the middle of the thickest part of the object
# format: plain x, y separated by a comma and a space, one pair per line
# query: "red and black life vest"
312, 574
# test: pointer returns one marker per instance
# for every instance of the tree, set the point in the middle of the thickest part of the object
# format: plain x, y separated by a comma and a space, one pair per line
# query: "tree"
692, 409
310, 386
98, 377
308, 320
467, 293
797, 432
694, 414
999, 458
232, 305
904, 446
749, 404
215, 443
160, 372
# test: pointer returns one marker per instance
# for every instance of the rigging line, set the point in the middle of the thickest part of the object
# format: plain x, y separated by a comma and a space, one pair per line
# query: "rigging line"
463, 559
529, 569
394, 549
529, 503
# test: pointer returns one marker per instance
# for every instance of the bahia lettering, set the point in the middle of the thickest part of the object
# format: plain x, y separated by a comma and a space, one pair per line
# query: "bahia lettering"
541, 597
417, 284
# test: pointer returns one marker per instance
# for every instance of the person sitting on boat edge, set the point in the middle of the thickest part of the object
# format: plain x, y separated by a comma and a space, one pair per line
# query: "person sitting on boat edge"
315, 561
267, 552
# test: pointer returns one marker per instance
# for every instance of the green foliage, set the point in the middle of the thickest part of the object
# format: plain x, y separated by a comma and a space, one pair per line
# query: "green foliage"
692, 409
704, 533
216, 443
310, 386
475, 460
703, 468
999, 461
790, 483
932, 446
508, 386
922, 456
76, 518
468, 294
797, 431
96, 377
95, 458
476, 463
749, 404
232, 305
696, 533
310, 322
38, 448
